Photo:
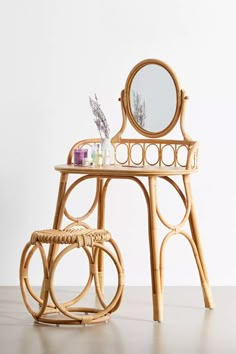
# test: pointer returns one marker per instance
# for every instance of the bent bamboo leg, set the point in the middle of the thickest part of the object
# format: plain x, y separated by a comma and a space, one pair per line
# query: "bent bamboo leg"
57, 222
58, 214
154, 258
100, 225
196, 238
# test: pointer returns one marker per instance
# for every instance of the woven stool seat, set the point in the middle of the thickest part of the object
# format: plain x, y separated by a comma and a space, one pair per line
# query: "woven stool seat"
93, 242
83, 237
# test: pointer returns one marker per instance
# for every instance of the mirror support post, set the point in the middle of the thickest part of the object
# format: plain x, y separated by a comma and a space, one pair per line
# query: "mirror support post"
184, 99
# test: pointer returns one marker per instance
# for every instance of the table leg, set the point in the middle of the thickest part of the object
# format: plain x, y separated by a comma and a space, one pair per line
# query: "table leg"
154, 253
59, 210
100, 225
58, 214
57, 222
196, 238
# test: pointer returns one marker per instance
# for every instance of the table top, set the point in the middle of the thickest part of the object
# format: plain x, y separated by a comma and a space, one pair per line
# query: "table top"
122, 170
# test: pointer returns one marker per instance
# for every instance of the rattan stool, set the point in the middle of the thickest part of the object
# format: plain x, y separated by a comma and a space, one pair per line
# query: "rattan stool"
92, 241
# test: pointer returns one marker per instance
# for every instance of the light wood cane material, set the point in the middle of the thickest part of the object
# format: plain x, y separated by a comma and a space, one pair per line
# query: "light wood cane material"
152, 157
92, 241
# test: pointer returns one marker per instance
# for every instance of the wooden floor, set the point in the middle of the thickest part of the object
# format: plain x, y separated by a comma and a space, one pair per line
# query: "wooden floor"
187, 326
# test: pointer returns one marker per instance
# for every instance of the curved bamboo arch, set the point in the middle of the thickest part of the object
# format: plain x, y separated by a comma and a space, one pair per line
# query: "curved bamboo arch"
135, 179
186, 200
175, 185
89, 280
98, 313
120, 274
194, 249
26, 256
78, 223
70, 189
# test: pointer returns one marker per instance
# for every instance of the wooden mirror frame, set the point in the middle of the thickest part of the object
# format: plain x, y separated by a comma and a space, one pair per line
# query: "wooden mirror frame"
127, 105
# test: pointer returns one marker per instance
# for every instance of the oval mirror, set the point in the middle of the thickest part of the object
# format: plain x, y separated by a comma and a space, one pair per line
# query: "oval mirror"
153, 98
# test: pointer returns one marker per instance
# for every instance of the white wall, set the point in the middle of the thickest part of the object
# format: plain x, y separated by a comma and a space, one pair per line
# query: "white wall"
54, 54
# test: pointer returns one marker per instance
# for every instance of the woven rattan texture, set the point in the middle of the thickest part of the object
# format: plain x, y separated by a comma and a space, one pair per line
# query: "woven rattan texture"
84, 237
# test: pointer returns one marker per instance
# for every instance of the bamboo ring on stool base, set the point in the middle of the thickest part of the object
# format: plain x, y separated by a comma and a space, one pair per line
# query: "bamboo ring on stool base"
92, 241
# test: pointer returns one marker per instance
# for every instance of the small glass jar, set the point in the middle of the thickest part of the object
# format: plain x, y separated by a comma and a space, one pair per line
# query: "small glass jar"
79, 154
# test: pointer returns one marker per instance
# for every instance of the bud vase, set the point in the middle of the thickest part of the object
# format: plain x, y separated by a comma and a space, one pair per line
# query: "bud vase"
107, 152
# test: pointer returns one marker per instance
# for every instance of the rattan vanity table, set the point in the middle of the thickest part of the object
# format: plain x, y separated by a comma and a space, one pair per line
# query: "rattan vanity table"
171, 158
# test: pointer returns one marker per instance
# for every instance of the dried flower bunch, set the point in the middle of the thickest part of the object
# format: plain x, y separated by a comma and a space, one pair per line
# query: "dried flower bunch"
100, 119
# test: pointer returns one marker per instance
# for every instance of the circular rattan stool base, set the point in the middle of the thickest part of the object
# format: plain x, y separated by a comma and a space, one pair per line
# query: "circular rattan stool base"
60, 319
92, 242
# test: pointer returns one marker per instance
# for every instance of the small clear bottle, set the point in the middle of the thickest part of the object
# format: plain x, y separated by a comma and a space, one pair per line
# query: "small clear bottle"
93, 153
99, 157
106, 157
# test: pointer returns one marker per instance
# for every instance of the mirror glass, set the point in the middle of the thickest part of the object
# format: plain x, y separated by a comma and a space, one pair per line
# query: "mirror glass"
153, 98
